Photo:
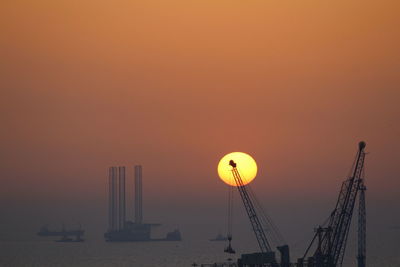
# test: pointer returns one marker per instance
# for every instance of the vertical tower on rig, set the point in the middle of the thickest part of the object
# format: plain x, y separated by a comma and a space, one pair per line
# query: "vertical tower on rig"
121, 194
138, 195
113, 202
116, 206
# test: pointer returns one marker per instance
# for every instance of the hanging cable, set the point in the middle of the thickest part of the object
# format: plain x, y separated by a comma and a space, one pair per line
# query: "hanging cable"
267, 221
230, 211
229, 248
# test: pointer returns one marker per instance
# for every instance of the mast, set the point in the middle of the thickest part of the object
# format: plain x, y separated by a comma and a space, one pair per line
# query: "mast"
362, 229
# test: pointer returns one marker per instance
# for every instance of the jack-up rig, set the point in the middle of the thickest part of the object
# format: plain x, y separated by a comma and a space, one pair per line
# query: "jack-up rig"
330, 239
120, 229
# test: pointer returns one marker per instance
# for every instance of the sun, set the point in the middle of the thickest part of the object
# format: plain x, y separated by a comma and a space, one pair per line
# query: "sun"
246, 166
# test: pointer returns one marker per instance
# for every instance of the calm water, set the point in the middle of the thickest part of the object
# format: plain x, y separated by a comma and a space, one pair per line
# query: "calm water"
384, 251
98, 253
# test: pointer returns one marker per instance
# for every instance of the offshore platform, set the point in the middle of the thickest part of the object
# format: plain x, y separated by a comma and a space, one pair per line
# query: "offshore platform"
119, 229
328, 245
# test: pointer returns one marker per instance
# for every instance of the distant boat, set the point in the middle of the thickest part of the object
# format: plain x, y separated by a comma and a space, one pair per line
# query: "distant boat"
174, 236
44, 231
219, 237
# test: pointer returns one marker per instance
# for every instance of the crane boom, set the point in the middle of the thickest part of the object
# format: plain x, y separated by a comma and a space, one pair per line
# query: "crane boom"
332, 239
341, 218
251, 212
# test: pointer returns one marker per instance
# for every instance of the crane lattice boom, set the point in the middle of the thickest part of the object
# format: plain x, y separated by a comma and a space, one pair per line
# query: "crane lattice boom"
334, 248
332, 239
251, 212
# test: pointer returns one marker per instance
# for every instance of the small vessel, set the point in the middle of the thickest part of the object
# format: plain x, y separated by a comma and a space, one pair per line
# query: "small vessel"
65, 234
219, 237
174, 236
44, 231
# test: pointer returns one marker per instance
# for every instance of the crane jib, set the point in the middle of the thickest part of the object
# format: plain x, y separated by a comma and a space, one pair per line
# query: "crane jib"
332, 239
254, 220
341, 229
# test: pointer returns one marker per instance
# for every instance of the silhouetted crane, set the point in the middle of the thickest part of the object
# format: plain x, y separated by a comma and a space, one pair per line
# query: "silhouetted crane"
267, 256
332, 239
251, 212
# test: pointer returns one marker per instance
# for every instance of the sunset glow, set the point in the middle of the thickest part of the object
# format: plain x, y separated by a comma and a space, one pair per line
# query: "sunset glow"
118, 116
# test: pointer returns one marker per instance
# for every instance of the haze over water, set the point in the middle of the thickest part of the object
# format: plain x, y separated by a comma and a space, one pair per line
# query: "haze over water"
174, 86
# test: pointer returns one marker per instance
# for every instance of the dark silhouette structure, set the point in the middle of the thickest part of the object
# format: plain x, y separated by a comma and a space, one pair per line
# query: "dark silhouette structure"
266, 257
331, 239
117, 209
362, 227
219, 237
120, 229
64, 233
138, 195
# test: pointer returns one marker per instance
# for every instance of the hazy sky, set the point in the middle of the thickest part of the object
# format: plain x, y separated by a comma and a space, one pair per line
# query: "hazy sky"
174, 85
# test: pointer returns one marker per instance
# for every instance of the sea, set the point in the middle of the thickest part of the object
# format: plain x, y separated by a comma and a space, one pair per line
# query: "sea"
43, 252
99, 253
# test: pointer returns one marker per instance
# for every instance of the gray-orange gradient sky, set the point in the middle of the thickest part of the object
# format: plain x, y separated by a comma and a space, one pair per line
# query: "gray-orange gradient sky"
174, 85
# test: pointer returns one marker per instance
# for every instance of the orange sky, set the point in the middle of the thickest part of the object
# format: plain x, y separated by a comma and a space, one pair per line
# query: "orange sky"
174, 85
